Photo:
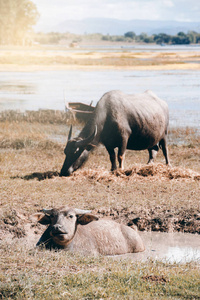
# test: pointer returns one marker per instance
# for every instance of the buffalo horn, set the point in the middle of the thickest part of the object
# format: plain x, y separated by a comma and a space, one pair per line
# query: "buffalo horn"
88, 140
82, 211
70, 133
47, 211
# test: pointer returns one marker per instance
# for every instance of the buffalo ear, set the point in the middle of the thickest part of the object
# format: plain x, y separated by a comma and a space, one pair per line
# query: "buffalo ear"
86, 218
41, 218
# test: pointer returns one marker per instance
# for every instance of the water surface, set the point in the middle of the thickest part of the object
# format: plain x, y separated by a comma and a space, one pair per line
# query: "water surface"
50, 89
169, 247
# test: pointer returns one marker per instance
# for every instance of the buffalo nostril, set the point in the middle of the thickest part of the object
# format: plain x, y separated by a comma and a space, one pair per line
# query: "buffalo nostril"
58, 229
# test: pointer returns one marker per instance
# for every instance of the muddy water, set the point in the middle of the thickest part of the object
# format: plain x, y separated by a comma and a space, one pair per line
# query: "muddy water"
50, 89
168, 247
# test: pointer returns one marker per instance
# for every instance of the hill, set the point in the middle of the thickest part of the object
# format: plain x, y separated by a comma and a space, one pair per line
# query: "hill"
119, 27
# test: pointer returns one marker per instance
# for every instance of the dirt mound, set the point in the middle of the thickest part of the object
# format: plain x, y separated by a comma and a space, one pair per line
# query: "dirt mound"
153, 172
156, 218
16, 225
10, 223
137, 172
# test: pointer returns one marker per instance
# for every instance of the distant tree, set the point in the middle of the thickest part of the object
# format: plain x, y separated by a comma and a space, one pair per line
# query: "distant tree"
198, 38
193, 37
130, 34
148, 39
181, 39
162, 38
119, 38
142, 36
107, 37
16, 20
181, 34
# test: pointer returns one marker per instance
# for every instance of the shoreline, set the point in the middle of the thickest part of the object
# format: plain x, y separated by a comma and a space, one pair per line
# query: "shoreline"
62, 67
31, 60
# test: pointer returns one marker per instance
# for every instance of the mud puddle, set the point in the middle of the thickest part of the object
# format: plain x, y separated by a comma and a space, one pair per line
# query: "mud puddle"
174, 247
170, 247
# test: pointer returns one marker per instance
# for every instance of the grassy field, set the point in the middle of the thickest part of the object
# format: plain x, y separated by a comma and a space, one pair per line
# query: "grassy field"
31, 156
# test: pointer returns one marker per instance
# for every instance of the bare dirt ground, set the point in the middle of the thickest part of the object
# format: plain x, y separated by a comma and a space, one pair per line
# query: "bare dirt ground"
153, 197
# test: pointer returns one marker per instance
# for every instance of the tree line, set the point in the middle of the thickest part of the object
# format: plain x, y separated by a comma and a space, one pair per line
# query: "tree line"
192, 37
181, 38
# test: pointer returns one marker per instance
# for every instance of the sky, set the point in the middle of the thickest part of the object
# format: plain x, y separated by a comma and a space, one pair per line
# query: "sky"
56, 11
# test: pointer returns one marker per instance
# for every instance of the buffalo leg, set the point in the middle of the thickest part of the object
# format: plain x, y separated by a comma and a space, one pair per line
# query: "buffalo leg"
152, 153
163, 144
121, 155
112, 158
121, 160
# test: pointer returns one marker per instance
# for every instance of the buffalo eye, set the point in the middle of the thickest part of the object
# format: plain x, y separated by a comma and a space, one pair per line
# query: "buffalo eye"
67, 215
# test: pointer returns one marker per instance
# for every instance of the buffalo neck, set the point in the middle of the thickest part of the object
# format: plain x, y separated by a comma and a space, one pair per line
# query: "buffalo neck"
88, 130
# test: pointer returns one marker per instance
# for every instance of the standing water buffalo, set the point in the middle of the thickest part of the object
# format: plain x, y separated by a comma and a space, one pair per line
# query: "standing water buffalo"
134, 122
78, 231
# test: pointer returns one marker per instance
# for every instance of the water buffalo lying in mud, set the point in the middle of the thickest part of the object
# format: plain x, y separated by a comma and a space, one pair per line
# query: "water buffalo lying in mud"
134, 122
79, 231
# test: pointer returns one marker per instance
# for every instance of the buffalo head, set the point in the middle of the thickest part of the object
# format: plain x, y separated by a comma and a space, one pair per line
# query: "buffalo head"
76, 152
62, 223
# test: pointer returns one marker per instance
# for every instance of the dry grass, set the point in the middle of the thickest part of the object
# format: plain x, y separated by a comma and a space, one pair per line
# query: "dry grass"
30, 153
55, 59
153, 172
41, 116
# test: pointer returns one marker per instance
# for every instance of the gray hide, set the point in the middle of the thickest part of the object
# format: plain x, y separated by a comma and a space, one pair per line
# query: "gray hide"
122, 121
78, 231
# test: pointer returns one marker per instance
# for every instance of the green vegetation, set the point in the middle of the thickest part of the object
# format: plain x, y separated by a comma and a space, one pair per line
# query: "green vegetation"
60, 275
181, 38
16, 20
161, 38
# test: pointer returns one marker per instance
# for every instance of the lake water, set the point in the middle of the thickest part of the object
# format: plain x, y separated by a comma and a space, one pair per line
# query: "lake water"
50, 89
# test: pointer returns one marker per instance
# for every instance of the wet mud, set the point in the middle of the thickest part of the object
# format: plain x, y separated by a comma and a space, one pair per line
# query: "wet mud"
145, 219
157, 219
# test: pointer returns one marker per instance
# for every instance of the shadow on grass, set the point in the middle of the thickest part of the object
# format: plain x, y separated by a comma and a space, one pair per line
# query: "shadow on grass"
38, 175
